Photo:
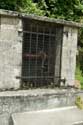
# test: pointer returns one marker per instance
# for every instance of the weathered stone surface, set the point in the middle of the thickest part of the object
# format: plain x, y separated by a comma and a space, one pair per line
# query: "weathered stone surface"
33, 100
63, 116
11, 48
40, 18
69, 48
10, 53
4, 119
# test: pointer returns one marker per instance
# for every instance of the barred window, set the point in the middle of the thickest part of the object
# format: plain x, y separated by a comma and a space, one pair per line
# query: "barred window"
39, 54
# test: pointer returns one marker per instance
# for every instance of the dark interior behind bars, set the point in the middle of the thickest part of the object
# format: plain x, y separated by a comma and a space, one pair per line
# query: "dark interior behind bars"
39, 54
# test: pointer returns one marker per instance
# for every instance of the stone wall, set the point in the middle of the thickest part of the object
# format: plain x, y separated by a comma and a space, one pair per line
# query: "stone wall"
33, 100
69, 48
10, 52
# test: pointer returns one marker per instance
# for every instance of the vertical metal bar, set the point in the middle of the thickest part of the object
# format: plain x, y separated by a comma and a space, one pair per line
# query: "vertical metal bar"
36, 66
55, 54
42, 74
49, 45
61, 51
55, 44
30, 52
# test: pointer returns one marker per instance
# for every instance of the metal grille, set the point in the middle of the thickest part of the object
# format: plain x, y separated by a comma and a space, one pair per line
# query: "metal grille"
39, 45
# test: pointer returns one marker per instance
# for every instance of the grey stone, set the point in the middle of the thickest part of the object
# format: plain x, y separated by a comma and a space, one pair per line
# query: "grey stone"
68, 59
63, 116
11, 53
34, 100
4, 119
11, 28
11, 36
40, 18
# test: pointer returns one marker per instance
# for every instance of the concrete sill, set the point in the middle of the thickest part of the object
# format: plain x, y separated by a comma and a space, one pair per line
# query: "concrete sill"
39, 92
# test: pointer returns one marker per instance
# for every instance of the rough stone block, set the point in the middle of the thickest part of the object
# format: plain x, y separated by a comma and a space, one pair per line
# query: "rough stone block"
10, 53
69, 47
61, 116
4, 119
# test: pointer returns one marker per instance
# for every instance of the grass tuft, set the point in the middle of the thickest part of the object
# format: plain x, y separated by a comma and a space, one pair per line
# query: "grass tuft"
79, 76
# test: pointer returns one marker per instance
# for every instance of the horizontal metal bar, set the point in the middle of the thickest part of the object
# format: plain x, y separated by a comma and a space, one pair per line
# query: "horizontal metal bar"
37, 77
30, 32
39, 55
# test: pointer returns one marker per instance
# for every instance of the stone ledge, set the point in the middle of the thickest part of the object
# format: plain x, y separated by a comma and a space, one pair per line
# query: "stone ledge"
34, 100
39, 92
40, 18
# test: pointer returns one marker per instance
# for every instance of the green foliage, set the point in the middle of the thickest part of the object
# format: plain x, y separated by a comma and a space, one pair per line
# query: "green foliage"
79, 102
31, 8
21, 5
63, 9
12, 4
80, 57
79, 75
80, 38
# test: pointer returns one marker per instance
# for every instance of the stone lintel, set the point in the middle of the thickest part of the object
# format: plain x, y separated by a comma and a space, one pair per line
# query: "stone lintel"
40, 18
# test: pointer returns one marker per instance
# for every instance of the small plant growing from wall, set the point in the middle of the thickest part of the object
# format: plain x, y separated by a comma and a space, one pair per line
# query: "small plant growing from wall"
79, 102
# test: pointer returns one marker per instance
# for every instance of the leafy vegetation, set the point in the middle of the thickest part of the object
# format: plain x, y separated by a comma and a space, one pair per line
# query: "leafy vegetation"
79, 76
21, 5
12, 5
79, 102
63, 9
31, 8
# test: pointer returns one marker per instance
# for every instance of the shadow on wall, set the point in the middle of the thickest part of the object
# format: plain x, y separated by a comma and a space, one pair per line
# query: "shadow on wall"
10, 121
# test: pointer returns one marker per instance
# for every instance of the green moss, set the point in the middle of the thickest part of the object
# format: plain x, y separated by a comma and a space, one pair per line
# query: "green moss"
79, 102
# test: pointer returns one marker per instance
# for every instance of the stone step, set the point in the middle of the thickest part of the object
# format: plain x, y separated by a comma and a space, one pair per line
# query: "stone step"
60, 116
